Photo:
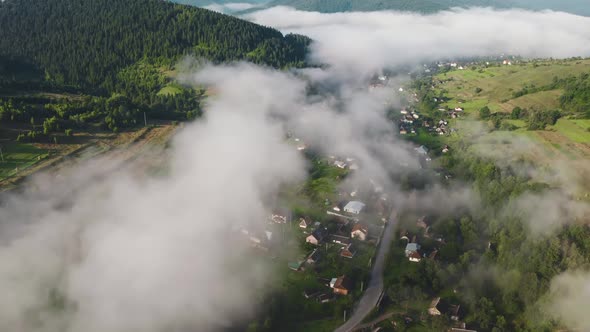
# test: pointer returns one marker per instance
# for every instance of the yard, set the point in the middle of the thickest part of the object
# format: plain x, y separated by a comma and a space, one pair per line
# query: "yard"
18, 157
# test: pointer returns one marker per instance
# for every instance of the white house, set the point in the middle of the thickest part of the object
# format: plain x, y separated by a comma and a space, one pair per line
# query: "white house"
359, 232
412, 252
422, 150
354, 207
340, 164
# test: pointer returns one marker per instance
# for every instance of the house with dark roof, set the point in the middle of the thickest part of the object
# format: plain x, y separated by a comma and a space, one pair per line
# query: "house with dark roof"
340, 239
314, 257
317, 236
341, 285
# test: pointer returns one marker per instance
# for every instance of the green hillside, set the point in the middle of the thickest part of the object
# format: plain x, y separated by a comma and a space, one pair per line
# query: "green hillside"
547, 102
71, 70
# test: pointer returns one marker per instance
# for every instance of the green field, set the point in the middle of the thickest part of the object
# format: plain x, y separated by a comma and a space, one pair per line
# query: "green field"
566, 142
18, 157
498, 83
577, 132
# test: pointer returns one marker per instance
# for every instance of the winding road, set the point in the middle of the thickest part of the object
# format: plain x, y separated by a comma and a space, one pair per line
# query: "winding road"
373, 292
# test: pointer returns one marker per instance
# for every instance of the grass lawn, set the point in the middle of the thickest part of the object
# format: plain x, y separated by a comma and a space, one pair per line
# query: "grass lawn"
21, 156
575, 130
517, 123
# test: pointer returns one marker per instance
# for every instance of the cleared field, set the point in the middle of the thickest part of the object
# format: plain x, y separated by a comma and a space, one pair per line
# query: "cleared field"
562, 150
18, 157
126, 148
539, 101
573, 131
495, 86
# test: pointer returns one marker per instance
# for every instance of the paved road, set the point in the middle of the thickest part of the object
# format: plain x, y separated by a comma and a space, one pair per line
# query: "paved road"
372, 293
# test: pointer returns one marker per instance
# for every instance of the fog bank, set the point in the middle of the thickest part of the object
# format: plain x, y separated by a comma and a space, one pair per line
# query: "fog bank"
365, 42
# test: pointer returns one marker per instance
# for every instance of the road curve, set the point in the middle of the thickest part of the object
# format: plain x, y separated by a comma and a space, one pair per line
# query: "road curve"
373, 292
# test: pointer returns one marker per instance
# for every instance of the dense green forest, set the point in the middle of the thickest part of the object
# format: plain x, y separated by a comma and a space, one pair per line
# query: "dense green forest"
86, 42
579, 7
202, 3
102, 64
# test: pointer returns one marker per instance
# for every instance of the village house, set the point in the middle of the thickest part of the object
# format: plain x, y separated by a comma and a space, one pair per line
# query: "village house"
422, 150
354, 207
433, 310
359, 231
314, 257
325, 298
340, 285
311, 293
412, 252
340, 164
303, 223
349, 251
317, 236
340, 239
280, 217
296, 265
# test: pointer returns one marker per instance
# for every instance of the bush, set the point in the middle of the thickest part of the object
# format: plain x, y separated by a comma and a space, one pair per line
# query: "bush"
517, 113
541, 119
68, 132
484, 112
508, 126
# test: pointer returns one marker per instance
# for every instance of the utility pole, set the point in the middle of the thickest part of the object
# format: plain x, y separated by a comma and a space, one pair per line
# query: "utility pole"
144, 119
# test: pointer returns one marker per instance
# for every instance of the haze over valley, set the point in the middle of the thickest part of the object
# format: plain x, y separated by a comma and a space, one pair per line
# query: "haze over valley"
298, 166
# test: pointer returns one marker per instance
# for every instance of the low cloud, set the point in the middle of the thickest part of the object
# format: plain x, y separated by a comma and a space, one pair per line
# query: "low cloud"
122, 253
127, 253
232, 7
361, 43
570, 298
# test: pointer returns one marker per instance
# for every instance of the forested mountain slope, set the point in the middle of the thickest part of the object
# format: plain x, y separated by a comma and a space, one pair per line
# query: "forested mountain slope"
86, 42
202, 3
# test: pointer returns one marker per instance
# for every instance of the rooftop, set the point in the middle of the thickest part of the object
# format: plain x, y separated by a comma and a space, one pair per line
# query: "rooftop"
412, 247
354, 205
